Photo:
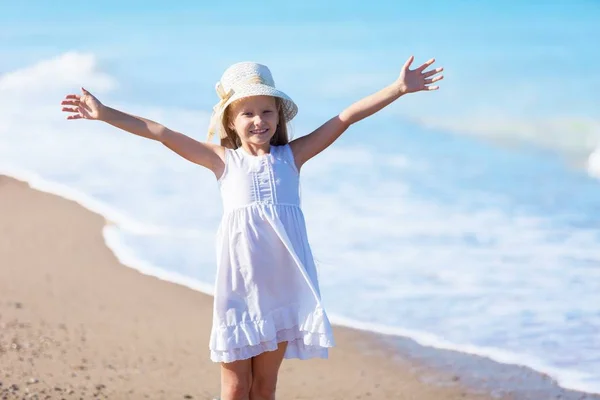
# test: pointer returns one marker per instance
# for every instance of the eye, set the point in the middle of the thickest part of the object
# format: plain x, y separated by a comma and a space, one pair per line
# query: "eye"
247, 114
267, 111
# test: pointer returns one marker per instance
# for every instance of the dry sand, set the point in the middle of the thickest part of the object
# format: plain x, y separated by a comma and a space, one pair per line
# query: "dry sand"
76, 324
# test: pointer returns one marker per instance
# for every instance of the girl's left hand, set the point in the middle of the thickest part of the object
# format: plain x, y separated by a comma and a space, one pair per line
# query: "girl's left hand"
415, 80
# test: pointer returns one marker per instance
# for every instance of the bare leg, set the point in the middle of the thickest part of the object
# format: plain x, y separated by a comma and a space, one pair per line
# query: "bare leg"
265, 368
236, 380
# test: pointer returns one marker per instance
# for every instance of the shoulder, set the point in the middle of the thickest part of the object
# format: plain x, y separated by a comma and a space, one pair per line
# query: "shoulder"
281, 151
285, 155
278, 149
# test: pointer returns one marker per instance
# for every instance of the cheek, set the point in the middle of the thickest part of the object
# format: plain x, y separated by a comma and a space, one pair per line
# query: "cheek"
240, 125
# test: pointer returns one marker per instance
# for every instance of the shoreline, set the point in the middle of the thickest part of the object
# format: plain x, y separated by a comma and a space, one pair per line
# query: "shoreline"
446, 373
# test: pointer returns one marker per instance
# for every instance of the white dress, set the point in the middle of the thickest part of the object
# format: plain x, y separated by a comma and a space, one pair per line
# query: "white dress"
266, 288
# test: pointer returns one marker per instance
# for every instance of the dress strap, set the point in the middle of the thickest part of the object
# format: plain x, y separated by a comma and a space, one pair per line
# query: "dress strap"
289, 156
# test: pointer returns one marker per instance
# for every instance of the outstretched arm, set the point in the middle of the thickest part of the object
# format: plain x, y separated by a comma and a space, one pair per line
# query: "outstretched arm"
86, 106
409, 81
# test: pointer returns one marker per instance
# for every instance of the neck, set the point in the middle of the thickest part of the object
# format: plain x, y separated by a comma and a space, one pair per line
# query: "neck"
255, 149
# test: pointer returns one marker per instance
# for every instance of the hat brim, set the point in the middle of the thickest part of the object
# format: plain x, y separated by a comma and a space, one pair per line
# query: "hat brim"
290, 109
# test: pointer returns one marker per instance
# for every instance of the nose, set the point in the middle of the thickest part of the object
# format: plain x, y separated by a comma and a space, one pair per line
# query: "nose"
257, 120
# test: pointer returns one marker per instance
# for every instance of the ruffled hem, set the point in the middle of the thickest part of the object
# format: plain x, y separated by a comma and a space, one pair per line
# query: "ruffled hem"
296, 348
308, 337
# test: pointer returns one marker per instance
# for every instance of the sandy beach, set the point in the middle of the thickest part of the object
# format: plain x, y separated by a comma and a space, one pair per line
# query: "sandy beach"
76, 324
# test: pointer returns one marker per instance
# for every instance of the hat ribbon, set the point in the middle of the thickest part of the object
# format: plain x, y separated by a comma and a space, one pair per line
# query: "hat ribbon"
224, 98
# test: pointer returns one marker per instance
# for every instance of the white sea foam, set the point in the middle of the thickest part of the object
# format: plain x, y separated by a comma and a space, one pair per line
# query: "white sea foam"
573, 137
111, 214
129, 259
593, 163
566, 378
70, 69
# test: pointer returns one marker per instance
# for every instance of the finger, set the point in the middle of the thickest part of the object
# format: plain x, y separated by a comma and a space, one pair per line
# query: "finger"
432, 72
408, 63
431, 80
72, 96
69, 103
70, 109
432, 87
426, 64
76, 116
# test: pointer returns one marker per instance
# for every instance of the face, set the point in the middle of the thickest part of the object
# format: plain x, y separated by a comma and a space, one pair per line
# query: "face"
254, 119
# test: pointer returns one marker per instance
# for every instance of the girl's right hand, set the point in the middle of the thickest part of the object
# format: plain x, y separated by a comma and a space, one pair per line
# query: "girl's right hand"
85, 106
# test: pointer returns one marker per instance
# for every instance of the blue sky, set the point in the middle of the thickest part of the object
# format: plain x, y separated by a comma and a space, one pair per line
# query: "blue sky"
306, 10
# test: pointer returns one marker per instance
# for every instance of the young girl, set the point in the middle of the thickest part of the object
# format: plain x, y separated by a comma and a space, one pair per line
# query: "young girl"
267, 304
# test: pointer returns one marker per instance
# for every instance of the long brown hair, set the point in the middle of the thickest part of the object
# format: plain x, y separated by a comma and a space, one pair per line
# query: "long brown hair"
232, 141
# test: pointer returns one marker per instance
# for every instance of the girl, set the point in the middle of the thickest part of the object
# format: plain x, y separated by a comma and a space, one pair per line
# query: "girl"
267, 304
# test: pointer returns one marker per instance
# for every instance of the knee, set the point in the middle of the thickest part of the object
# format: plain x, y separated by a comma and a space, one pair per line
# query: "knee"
235, 389
264, 387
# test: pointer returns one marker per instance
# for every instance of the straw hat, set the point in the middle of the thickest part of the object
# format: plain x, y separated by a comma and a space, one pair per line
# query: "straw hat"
241, 80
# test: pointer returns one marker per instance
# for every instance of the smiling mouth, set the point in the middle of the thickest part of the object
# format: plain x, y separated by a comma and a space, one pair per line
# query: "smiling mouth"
259, 131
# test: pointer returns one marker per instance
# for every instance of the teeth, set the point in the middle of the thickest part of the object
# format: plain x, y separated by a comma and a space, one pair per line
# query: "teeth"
259, 131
